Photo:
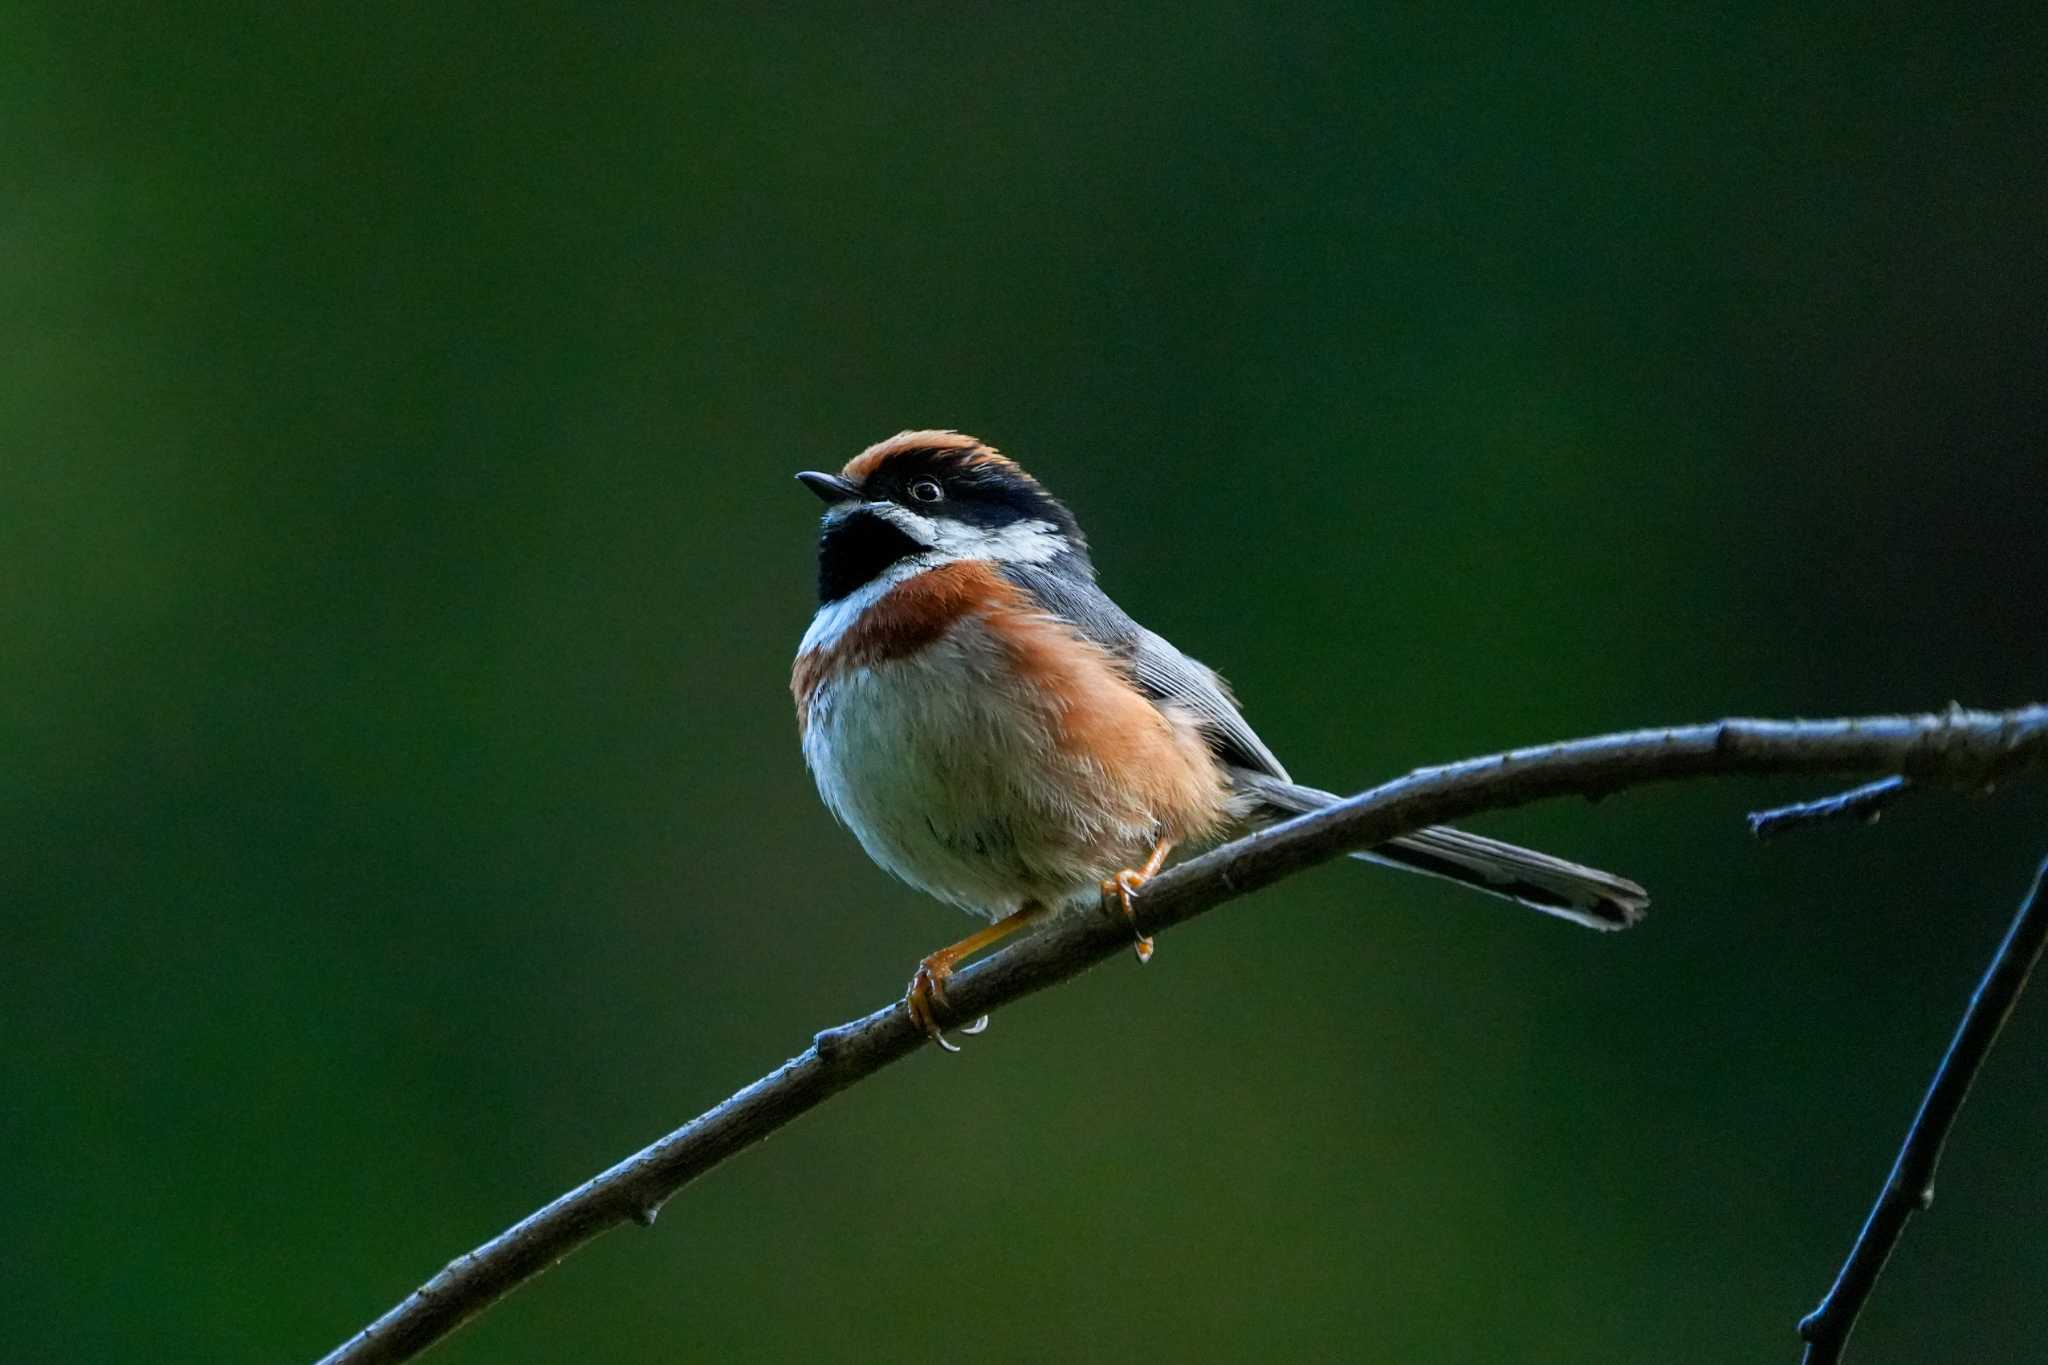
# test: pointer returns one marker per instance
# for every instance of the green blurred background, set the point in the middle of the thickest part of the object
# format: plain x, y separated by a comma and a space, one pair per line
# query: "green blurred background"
401, 815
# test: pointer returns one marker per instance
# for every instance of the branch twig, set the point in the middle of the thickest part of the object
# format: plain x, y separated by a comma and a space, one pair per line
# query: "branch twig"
1969, 748
1863, 803
1911, 1184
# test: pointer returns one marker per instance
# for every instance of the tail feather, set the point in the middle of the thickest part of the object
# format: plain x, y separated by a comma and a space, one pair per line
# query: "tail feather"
1583, 895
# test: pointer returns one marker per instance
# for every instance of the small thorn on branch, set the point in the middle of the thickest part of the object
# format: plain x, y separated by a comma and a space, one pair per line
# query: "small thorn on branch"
1864, 803
829, 1043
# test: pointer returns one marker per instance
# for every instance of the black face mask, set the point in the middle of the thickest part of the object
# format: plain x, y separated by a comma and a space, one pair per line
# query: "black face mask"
855, 549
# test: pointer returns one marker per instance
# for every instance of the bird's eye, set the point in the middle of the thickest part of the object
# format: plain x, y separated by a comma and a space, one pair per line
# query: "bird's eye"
925, 490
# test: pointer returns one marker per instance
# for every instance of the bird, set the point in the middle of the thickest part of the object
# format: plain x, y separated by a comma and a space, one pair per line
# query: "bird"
1001, 735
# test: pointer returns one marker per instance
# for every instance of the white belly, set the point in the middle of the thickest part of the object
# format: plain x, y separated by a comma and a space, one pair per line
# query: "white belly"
962, 792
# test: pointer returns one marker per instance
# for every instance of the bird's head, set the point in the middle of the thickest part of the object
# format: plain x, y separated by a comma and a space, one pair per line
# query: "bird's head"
924, 498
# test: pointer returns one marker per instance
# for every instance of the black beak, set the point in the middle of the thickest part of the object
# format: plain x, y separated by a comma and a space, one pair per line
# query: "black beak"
829, 487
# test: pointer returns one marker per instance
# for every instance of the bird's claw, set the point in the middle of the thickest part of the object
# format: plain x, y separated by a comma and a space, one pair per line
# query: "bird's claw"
924, 999
1118, 891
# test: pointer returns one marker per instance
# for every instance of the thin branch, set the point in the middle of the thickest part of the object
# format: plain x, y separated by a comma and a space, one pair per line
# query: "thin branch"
1911, 1185
1966, 748
1864, 803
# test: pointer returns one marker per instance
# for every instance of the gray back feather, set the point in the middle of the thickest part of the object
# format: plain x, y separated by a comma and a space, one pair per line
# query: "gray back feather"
1161, 672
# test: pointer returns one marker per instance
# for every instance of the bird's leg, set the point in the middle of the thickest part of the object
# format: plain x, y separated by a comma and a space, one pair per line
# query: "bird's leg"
927, 993
1117, 890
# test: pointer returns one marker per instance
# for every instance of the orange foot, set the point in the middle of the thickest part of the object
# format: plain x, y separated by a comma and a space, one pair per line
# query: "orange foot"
1119, 889
927, 994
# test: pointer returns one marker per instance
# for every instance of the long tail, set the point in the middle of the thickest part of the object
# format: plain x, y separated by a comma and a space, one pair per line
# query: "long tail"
1583, 895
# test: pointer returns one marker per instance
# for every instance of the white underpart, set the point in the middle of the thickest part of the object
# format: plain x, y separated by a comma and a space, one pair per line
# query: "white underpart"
963, 792
1022, 542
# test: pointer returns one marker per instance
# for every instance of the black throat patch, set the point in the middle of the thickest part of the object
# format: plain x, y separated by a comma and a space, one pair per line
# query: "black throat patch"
855, 549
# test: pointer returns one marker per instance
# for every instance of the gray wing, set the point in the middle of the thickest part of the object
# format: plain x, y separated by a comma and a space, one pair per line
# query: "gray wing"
1162, 672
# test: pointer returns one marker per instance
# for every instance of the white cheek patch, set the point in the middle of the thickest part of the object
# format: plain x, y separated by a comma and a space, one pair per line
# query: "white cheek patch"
1021, 542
